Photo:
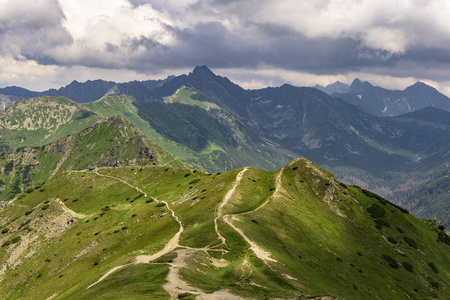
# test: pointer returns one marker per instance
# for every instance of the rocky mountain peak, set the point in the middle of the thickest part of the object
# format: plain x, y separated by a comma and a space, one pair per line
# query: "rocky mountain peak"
202, 72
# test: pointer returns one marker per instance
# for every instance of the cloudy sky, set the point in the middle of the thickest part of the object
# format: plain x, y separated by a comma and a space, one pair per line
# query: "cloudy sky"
393, 43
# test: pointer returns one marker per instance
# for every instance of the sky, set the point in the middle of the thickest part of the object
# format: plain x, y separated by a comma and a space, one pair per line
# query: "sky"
255, 43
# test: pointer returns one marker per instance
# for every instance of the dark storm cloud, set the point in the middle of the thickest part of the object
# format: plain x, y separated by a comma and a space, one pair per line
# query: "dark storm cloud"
214, 45
29, 31
411, 38
437, 57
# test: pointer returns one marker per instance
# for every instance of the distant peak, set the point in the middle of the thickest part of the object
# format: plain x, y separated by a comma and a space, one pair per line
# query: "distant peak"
203, 71
356, 81
287, 85
361, 84
420, 83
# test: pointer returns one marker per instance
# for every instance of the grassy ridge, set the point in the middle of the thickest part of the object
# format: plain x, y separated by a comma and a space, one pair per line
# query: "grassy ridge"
112, 143
193, 128
320, 237
42, 120
123, 106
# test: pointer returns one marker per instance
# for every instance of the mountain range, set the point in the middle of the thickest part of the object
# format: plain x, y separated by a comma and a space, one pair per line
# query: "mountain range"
114, 142
382, 102
82, 92
333, 88
374, 100
196, 192
211, 123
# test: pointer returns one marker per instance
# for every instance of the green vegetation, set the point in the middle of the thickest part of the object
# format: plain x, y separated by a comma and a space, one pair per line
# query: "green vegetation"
141, 281
190, 96
209, 137
42, 120
112, 143
121, 105
390, 260
318, 236
65, 229
433, 267
410, 241
408, 266
376, 211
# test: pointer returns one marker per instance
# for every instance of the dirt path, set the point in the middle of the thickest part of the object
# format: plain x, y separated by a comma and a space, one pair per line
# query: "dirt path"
175, 284
170, 246
275, 194
219, 209
60, 163
259, 252
107, 274
68, 210
121, 180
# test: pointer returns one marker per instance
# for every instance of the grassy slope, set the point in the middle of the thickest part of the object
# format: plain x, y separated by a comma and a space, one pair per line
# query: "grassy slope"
42, 120
208, 137
122, 105
112, 143
320, 233
222, 139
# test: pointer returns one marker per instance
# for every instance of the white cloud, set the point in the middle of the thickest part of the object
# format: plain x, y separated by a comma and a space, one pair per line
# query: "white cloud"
28, 28
103, 31
26, 73
391, 40
391, 25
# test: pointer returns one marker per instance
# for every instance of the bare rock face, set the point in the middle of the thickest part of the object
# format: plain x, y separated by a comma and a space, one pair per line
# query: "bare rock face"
141, 148
117, 122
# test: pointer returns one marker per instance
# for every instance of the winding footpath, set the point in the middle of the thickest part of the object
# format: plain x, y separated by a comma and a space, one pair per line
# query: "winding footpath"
175, 284
170, 246
219, 209
275, 194
259, 252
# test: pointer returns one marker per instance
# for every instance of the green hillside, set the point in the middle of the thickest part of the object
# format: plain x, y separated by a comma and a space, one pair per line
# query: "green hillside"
42, 120
114, 142
123, 106
195, 129
213, 124
153, 232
